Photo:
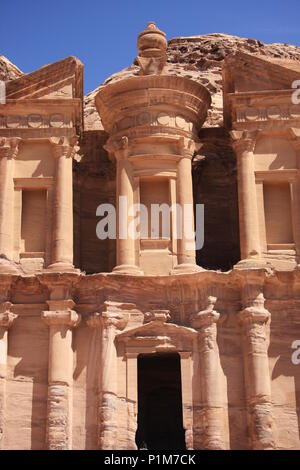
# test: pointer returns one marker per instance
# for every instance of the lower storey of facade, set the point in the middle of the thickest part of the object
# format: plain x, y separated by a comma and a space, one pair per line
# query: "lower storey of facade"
198, 361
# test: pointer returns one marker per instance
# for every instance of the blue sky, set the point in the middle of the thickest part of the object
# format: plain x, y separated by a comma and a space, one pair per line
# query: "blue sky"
102, 34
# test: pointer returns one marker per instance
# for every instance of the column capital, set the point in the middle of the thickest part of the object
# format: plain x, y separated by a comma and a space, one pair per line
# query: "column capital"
187, 147
61, 313
9, 147
206, 317
243, 141
118, 147
254, 313
6, 316
106, 319
63, 146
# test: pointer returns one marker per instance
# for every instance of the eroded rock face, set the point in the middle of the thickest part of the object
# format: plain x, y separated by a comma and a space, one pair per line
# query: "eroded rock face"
200, 58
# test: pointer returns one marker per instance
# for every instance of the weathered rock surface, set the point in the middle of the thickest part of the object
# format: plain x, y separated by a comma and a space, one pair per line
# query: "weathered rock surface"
200, 58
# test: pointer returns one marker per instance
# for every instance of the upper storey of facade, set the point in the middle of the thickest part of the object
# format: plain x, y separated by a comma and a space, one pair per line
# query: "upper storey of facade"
153, 132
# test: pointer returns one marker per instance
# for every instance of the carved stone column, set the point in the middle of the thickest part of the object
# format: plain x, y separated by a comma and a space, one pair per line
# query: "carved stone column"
126, 262
62, 236
213, 409
295, 188
186, 256
6, 321
61, 319
244, 143
253, 320
110, 321
8, 151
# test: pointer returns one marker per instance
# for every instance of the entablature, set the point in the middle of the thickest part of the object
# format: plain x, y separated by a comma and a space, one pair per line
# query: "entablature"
31, 117
266, 110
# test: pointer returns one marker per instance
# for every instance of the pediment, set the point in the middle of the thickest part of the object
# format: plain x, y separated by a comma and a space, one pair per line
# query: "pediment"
60, 80
257, 91
245, 73
157, 328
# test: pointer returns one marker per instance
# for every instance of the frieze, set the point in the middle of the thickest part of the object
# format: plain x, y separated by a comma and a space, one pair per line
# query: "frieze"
155, 119
271, 113
35, 121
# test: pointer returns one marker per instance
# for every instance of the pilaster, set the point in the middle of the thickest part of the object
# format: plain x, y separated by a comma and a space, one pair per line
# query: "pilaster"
61, 319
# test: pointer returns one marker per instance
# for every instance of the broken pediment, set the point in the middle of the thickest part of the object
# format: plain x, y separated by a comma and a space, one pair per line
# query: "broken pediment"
257, 90
245, 73
157, 335
62, 79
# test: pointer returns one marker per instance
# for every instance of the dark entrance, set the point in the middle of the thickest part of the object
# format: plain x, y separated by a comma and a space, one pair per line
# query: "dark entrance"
160, 425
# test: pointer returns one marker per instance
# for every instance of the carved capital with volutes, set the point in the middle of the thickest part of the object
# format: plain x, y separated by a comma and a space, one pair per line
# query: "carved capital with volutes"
243, 141
118, 148
7, 317
60, 313
187, 147
65, 147
9, 147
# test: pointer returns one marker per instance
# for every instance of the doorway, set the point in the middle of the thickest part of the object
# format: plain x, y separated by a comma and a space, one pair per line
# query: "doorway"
160, 423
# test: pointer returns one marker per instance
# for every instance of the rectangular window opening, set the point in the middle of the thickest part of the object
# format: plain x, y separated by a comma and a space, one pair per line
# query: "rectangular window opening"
33, 222
278, 216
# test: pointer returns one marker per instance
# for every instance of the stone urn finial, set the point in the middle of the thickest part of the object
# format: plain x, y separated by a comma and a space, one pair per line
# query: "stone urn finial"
152, 47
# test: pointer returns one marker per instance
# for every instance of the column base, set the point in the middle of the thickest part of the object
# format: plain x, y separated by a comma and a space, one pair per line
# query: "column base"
8, 267
61, 266
187, 268
128, 269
